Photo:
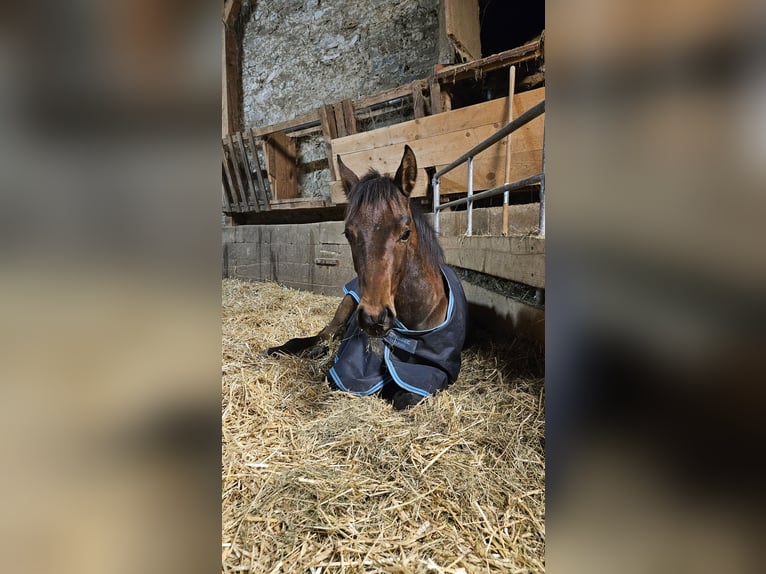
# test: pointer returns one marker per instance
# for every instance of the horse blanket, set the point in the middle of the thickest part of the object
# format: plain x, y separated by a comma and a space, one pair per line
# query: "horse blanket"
422, 362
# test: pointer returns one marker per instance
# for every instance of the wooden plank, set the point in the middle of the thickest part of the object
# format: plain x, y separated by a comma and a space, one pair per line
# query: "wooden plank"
382, 97
340, 122
462, 22
337, 193
486, 174
252, 197
435, 97
231, 205
310, 119
327, 117
234, 166
440, 149
237, 168
418, 103
231, 112
299, 203
349, 116
518, 258
445, 49
529, 51
446, 101
492, 112
261, 188
281, 166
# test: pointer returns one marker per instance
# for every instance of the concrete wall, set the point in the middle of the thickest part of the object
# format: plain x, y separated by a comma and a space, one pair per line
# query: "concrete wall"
313, 256
316, 257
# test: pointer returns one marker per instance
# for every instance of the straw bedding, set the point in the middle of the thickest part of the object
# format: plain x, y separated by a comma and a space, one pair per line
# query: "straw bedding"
317, 481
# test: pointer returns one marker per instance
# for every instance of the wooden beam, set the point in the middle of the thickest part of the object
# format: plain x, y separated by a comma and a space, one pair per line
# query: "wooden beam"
231, 10
237, 172
327, 117
350, 116
438, 140
462, 24
340, 122
382, 97
228, 187
231, 69
493, 112
281, 166
529, 51
304, 121
264, 196
418, 103
435, 97
248, 173
228, 168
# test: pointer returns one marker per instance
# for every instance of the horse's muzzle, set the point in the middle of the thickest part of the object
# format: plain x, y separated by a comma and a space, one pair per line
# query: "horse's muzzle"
376, 324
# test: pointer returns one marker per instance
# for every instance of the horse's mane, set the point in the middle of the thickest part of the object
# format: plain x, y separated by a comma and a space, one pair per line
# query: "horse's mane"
376, 192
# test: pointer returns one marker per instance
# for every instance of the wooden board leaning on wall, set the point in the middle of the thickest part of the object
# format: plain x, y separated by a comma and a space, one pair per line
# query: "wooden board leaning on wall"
440, 139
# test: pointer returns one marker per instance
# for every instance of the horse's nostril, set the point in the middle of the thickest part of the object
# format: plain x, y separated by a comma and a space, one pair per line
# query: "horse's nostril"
377, 324
365, 319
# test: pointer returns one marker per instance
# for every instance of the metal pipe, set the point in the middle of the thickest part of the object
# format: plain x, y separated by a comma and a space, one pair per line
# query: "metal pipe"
523, 119
469, 199
511, 93
522, 183
541, 223
437, 210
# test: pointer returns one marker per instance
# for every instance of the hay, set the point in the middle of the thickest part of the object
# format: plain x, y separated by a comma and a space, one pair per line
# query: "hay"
317, 481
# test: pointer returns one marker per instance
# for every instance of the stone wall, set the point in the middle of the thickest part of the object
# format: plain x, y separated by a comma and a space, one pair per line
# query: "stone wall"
299, 54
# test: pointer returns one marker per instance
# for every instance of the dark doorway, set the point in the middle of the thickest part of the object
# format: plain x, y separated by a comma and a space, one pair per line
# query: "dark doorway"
506, 25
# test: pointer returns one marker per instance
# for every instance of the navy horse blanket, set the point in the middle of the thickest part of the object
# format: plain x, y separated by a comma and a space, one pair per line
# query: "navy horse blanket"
421, 362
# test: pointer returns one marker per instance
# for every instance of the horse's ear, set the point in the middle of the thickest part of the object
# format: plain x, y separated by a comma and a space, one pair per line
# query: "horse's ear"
347, 176
408, 172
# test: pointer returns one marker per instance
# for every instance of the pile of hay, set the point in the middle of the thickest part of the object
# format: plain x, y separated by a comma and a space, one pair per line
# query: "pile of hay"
317, 481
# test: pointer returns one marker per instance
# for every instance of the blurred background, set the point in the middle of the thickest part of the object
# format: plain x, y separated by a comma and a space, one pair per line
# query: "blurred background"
110, 285
656, 182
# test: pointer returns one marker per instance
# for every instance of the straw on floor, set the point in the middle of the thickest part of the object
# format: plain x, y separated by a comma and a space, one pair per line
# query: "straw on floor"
318, 481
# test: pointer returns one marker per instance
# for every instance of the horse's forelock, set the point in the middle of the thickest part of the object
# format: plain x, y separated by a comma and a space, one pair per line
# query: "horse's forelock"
375, 192
372, 192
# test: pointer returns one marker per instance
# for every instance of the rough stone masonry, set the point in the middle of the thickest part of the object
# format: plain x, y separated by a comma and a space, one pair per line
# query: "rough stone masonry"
300, 54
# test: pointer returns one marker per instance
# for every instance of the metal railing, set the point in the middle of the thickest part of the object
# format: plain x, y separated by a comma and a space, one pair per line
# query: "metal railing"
539, 178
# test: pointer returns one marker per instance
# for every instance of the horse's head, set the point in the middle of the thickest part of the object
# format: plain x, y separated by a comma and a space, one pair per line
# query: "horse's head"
382, 235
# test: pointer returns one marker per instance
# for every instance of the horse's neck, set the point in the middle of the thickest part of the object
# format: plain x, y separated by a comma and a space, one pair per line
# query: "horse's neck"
421, 301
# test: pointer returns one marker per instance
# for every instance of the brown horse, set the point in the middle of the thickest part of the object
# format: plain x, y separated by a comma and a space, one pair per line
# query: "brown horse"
404, 295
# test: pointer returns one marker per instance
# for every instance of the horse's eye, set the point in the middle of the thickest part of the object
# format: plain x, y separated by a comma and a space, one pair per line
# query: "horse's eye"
346, 234
406, 235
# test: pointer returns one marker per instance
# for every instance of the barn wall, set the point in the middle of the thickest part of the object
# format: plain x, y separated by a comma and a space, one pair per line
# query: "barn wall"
311, 256
299, 54
316, 257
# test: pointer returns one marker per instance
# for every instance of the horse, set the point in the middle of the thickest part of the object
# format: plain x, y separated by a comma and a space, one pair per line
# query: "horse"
402, 320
